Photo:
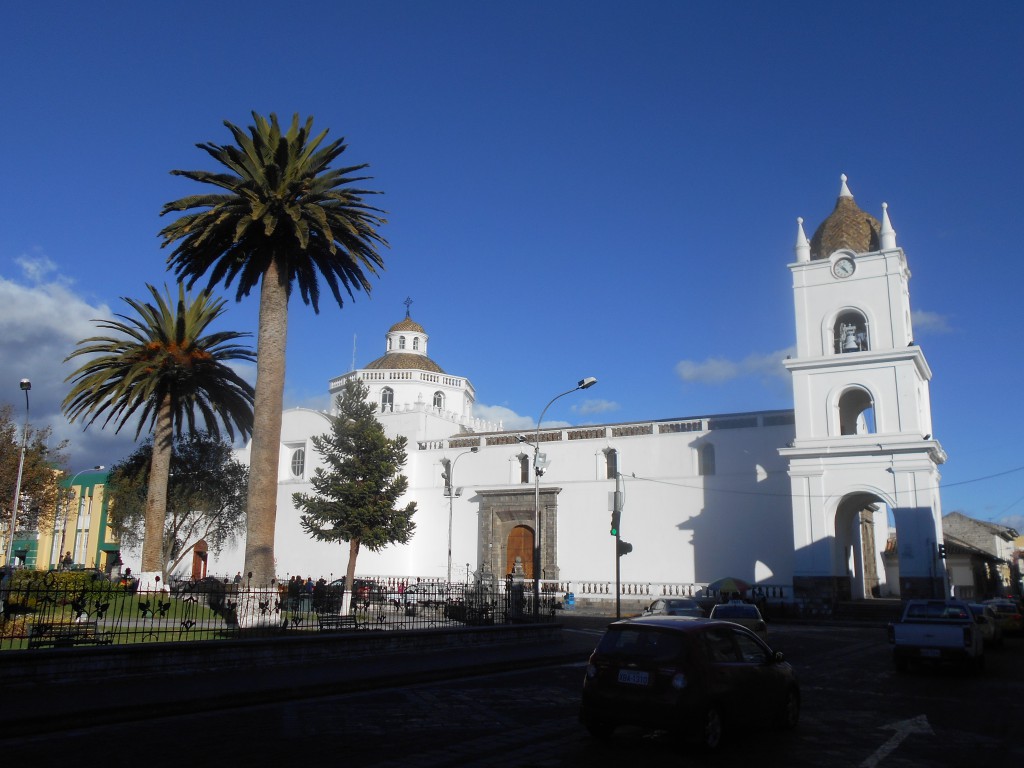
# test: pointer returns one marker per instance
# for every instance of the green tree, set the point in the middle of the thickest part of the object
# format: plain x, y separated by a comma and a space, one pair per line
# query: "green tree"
161, 371
205, 496
39, 492
354, 497
284, 217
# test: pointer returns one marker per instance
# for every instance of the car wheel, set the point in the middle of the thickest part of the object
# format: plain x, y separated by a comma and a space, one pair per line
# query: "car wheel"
789, 715
711, 729
599, 729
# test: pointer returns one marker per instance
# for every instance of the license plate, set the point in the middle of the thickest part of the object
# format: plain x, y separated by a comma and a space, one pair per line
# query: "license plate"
632, 677
931, 653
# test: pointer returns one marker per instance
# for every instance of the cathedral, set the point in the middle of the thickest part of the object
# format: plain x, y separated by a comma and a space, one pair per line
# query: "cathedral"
804, 500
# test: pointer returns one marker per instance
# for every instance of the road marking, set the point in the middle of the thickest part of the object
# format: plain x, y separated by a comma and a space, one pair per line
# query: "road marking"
903, 729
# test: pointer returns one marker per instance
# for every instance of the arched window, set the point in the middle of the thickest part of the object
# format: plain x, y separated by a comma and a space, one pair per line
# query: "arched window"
390, 340
401, 342
439, 400
850, 333
856, 413
524, 468
706, 459
298, 462
415, 342
611, 458
387, 400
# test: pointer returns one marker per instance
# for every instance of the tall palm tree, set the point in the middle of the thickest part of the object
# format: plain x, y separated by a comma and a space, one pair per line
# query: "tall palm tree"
283, 219
161, 370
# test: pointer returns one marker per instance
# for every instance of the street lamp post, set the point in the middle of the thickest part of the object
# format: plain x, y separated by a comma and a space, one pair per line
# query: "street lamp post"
537, 472
67, 507
449, 479
26, 385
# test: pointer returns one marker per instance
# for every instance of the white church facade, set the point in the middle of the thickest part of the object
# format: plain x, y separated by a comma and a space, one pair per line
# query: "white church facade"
800, 499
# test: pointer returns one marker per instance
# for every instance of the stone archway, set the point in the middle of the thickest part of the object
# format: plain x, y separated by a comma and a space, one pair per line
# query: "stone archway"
501, 513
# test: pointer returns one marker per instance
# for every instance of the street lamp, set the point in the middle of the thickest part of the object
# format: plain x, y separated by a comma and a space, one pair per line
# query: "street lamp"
449, 481
26, 385
538, 470
67, 506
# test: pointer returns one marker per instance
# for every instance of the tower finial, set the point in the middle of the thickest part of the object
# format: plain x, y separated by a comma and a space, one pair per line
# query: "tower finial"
844, 191
887, 237
803, 245
408, 303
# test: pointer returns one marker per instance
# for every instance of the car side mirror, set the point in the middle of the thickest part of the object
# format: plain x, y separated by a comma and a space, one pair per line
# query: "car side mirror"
779, 658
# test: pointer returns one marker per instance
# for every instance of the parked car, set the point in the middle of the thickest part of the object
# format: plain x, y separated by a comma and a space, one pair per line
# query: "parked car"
696, 677
674, 606
1009, 615
989, 624
744, 614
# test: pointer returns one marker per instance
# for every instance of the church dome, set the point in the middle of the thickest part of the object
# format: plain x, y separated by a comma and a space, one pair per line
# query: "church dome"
846, 227
408, 325
404, 360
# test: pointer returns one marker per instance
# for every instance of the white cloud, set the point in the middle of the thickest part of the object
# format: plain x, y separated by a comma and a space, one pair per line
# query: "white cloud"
44, 318
591, 407
929, 322
715, 370
508, 418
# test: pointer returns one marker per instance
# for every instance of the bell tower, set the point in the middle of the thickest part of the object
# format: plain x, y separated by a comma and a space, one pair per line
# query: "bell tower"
863, 455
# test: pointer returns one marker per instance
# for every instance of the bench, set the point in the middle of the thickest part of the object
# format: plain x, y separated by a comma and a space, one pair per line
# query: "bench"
333, 622
65, 634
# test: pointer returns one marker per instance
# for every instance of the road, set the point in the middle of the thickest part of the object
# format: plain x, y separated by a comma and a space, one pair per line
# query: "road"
857, 712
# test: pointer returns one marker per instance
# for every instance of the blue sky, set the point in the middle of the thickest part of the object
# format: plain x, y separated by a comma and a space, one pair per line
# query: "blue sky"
573, 189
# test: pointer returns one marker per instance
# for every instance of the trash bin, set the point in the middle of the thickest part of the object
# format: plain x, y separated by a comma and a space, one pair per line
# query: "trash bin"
570, 600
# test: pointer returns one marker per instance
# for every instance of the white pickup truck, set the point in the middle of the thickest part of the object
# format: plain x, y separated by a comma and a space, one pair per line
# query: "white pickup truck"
936, 631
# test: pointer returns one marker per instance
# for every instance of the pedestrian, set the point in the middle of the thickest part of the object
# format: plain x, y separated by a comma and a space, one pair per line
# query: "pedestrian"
238, 578
68, 561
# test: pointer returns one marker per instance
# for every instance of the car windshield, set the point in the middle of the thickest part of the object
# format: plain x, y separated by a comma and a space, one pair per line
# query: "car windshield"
642, 644
675, 605
734, 612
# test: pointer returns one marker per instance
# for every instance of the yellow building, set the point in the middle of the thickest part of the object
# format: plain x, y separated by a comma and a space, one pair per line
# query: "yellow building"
78, 536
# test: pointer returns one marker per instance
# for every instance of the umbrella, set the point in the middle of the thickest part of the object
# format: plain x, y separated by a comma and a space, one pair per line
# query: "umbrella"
729, 584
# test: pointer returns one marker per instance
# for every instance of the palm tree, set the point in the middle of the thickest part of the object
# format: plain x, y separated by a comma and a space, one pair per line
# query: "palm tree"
283, 219
161, 370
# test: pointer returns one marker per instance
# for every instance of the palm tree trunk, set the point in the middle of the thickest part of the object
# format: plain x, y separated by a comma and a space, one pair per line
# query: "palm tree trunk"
156, 497
261, 517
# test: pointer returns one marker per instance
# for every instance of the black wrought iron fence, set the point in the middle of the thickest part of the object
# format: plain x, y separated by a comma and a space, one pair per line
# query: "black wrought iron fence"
65, 609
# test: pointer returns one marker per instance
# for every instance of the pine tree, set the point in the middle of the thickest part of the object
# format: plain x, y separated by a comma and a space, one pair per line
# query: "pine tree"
355, 493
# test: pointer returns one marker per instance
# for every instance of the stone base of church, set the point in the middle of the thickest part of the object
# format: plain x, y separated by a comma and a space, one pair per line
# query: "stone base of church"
922, 587
829, 588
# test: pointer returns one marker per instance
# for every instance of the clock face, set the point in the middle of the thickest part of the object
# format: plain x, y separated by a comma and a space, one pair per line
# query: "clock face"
843, 267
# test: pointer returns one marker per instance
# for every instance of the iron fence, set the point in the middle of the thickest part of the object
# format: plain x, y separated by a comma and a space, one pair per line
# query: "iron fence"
65, 609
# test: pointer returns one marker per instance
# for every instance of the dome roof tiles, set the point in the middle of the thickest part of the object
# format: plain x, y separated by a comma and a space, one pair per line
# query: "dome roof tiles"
404, 361
846, 227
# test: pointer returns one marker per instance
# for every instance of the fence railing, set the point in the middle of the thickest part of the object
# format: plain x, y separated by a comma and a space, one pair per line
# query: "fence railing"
55, 610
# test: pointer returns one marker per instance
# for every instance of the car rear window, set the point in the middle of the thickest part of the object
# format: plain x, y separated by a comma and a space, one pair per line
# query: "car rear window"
734, 612
642, 643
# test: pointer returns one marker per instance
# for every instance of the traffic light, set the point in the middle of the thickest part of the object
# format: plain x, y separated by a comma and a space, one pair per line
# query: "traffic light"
615, 524
624, 547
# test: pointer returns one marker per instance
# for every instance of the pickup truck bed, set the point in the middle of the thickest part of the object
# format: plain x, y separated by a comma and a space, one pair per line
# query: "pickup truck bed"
936, 631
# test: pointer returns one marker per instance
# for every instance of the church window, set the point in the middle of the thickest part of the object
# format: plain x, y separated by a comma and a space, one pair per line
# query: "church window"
401, 342
389, 343
415, 342
850, 333
524, 468
611, 457
387, 400
298, 466
856, 413
706, 459
439, 400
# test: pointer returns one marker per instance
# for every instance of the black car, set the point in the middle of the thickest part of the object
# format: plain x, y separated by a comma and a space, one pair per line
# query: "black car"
698, 677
